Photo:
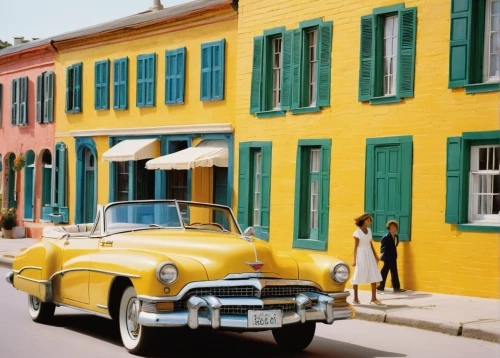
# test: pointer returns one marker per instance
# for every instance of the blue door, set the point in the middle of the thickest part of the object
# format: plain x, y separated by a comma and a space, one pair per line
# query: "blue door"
29, 176
220, 194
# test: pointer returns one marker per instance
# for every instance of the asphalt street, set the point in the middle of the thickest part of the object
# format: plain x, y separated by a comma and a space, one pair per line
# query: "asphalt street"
76, 335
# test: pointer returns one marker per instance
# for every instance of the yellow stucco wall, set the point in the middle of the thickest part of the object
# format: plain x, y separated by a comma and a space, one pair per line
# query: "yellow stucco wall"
439, 258
193, 111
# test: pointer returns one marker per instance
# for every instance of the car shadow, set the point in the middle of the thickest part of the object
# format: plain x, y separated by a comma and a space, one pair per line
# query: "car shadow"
184, 342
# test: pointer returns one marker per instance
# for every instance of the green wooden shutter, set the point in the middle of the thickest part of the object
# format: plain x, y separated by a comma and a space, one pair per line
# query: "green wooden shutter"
460, 42
404, 217
170, 70
45, 97
369, 179
23, 104
123, 83
325, 49
286, 78
180, 75
39, 110
265, 187
324, 192
77, 98
62, 174
406, 52
257, 72
454, 170
367, 60
105, 85
49, 101
14, 98
244, 186
218, 50
141, 99
69, 101
296, 67
116, 84
98, 85
150, 80
206, 72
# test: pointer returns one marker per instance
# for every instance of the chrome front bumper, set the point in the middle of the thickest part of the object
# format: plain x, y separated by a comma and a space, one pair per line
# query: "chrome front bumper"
9, 277
308, 307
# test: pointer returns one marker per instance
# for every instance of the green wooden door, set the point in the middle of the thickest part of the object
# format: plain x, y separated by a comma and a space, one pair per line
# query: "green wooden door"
220, 194
89, 203
28, 192
46, 192
387, 187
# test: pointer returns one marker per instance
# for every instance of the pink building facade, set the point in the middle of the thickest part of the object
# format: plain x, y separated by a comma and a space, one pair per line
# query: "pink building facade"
27, 126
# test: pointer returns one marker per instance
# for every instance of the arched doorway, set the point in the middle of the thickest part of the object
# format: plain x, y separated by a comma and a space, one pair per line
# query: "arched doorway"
89, 203
29, 186
46, 185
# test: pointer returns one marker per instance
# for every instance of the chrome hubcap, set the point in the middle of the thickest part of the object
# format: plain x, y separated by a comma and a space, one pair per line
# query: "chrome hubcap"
35, 303
132, 317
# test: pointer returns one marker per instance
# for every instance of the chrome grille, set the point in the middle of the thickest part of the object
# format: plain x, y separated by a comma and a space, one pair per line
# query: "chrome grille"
243, 310
283, 291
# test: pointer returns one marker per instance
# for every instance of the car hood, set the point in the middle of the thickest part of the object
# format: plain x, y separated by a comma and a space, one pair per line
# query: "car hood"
221, 254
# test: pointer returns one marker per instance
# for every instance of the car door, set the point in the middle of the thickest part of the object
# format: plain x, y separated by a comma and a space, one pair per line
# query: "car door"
77, 259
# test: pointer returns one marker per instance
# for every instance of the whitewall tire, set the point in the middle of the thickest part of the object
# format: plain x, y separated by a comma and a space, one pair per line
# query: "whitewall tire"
40, 312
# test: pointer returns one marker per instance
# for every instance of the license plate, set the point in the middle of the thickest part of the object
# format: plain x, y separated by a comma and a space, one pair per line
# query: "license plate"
264, 319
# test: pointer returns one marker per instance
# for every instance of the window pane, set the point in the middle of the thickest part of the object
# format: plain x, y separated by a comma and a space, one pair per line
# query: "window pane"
314, 204
313, 50
277, 60
496, 166
256, 197
315, 154
390, 54
482, 158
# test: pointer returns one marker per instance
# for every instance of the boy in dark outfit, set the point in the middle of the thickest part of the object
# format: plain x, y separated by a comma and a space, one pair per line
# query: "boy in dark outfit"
389, 254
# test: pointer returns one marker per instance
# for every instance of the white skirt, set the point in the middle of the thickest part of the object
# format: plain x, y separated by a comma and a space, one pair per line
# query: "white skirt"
366, 269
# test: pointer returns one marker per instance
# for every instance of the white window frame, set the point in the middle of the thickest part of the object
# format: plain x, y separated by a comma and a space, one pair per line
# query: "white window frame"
390, 58
487, 77
314, 204
277, 43
313, 67
257, 197
474, 175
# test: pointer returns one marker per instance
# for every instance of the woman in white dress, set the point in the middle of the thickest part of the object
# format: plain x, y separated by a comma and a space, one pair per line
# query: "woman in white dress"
365, 259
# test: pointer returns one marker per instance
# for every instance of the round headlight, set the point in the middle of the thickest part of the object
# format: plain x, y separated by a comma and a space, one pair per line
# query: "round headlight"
340, 273
167, 273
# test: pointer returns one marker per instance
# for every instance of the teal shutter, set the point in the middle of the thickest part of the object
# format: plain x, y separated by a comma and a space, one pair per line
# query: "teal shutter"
460, 42
218, 50
406, 52
324, 192
13, 101
123, 84
48, 104
454, 170
69, 101
105, 85
265, 209
23, 104
98, 85
366, 59
244, 186
180, 75
369, 179
286, 80
296, 65
62, 174
325, 49
141, 85
170, 70
404, 216
206, 72
116, 84
150, 80
39, 110
257, 73
77, 97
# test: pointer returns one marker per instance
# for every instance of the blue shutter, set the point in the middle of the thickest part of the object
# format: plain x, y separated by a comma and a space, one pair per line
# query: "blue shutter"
105, 85
206, 72
123, 82
23, 104
77, 97
48, 104
140, 81
170, 70
14, 95
116, 84
97, 85
150, 79
181, 75
39, 112
218, 57
69, 101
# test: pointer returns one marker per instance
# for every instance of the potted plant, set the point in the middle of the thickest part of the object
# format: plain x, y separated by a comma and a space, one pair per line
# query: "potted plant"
19, 162
8, 221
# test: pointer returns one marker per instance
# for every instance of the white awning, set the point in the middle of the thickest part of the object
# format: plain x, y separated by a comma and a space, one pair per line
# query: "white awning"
132, 149
206, 154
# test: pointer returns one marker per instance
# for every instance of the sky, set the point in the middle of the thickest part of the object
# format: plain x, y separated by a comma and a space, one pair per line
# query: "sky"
45, 18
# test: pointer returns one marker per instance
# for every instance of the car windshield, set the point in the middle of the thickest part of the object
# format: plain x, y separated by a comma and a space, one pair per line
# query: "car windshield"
129, 216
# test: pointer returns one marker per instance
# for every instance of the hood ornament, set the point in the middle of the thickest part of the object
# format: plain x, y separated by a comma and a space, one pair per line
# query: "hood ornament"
256, 265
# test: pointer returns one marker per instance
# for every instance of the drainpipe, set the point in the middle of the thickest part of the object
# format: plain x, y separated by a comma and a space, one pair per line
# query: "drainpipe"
156, 5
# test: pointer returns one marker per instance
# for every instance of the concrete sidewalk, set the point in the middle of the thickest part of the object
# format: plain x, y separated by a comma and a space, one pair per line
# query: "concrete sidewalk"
456, 315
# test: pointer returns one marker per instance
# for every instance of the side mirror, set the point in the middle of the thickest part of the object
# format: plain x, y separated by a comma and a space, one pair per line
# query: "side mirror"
249, 231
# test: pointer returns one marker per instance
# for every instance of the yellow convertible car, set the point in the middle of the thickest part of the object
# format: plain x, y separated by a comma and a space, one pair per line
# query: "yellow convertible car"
167, 263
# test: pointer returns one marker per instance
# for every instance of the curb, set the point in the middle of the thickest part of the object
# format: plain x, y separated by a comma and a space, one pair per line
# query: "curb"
450, 329
6, 262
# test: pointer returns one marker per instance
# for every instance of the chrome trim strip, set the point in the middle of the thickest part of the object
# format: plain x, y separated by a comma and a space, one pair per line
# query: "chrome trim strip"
103, 307
339, 295
32, 280
62, 272
257, 283
233, 276
83, 309
26, 268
